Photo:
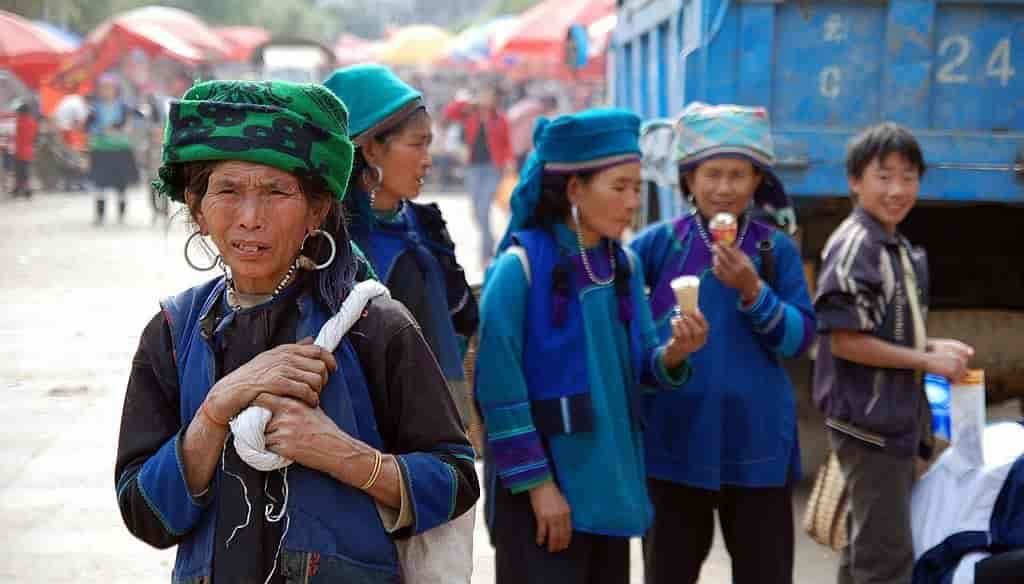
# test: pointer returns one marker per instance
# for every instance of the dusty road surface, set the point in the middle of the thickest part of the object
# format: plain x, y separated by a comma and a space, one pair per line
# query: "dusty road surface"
75, 298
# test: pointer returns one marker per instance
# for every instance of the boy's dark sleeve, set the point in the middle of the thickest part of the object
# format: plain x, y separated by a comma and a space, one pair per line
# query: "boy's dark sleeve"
854, 281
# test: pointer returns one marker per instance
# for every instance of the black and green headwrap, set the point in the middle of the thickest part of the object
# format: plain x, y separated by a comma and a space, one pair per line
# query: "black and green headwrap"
298, 128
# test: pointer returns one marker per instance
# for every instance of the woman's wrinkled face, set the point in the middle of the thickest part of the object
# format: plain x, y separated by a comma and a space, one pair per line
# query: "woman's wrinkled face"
723, 185
257, 216
404, 159
608, 200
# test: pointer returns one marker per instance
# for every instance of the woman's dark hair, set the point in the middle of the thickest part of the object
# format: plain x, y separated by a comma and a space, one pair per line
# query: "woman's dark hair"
333, 282
553, 206
877, 143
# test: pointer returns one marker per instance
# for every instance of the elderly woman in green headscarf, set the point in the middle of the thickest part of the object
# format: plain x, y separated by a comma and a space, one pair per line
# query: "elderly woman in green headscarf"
375, 441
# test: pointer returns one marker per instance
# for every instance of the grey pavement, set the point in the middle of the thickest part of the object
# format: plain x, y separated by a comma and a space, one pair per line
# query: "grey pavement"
75, 299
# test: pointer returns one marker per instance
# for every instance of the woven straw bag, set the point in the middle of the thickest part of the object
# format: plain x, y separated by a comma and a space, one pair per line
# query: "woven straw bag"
475, 425
829, 506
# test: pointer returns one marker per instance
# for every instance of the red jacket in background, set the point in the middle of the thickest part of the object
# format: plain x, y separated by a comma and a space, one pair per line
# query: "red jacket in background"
495, 128
25, 129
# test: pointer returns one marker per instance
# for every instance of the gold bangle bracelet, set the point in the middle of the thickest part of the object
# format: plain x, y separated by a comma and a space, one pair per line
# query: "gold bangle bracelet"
378, 462
205, 412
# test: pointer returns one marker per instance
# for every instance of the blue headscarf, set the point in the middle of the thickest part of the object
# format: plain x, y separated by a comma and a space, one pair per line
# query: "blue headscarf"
586, 141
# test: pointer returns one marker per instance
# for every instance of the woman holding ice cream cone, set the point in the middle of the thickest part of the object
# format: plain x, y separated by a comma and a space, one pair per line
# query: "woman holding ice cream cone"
566, 342
728, 441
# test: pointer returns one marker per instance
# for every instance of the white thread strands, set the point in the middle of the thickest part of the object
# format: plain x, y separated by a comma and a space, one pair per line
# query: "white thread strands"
249, 426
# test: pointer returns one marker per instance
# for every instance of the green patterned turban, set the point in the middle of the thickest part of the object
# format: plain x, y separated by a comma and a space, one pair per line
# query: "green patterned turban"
298, 128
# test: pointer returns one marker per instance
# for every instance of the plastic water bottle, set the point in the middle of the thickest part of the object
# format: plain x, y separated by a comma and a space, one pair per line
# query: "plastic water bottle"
937, 389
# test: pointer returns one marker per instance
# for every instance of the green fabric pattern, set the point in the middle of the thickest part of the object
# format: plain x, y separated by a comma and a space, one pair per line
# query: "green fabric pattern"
110, 142
298, 128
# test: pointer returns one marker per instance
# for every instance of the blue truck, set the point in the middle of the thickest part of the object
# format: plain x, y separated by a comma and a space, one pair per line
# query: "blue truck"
825, 69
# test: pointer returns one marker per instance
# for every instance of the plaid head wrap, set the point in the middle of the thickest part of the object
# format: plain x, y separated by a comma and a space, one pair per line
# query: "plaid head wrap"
711, 131
301, 129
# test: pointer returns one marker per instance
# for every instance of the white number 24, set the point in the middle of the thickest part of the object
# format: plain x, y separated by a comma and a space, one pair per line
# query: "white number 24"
958, 48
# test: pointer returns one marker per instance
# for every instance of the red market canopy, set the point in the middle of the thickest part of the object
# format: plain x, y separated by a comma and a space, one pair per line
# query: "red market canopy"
28, 51
541, 31
183, 25
351, 50
152, 32
242, 40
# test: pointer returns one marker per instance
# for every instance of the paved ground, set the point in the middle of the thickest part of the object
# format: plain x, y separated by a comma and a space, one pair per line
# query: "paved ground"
75, 298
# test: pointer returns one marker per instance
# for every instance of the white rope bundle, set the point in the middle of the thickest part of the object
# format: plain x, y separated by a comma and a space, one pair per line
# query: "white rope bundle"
250, 425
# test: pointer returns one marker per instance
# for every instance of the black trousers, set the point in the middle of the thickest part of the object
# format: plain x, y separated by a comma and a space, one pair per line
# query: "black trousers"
1004, 568
879, 484
589, 559
22, 169
757, 525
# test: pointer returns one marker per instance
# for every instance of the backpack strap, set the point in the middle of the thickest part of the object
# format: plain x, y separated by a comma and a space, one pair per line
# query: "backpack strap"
524, 259
766, 250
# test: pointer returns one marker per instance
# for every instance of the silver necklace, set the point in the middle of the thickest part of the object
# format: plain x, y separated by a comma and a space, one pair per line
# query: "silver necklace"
704, 234
277, 290
586, 262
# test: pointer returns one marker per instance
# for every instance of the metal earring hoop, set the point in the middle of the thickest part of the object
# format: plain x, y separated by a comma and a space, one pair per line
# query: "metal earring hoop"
376, 184
206, 248
309, 263
576, 216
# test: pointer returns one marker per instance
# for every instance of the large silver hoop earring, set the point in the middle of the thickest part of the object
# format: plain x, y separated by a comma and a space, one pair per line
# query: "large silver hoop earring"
576, 216
308, 264
378, 181
206, 249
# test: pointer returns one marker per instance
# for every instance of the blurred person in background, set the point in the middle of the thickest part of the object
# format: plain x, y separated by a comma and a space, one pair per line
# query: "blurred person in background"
728, 442
522, 118
112, 163
26, 130
566, 340
488, 155
449, 147
70, 119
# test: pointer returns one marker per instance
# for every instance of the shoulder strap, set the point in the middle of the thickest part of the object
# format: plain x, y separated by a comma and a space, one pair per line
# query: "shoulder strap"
524, 258
766, 250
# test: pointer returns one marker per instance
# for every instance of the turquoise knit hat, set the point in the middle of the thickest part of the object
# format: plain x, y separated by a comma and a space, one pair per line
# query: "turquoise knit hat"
586, 141
375, 97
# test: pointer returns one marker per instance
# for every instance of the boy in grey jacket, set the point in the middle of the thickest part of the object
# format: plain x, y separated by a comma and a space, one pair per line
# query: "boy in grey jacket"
871, 306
